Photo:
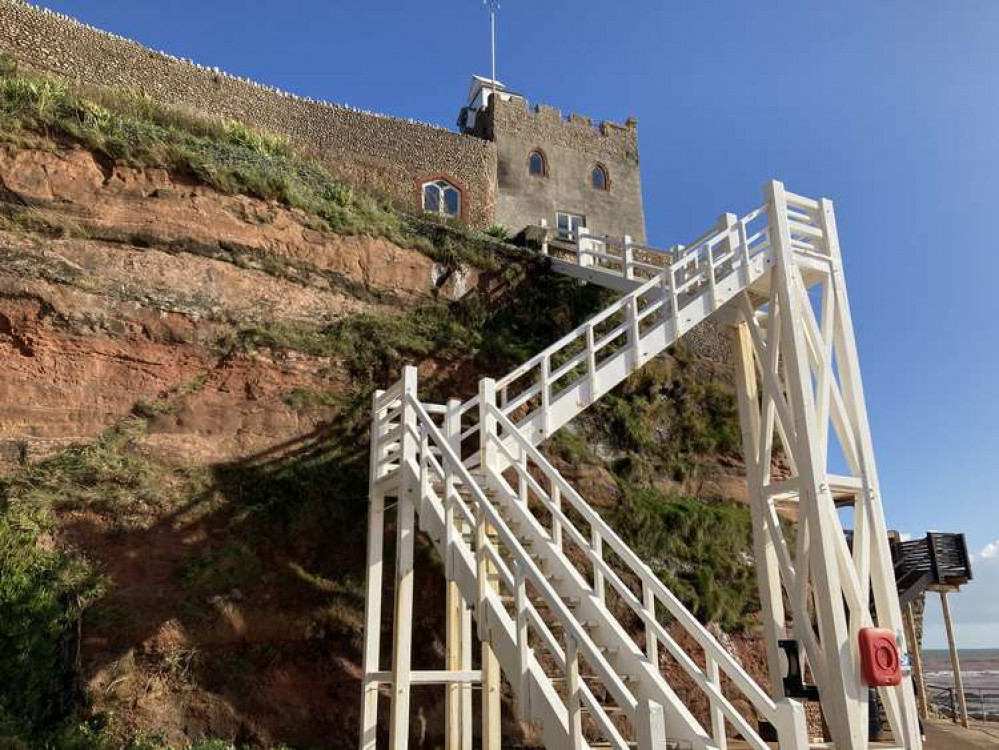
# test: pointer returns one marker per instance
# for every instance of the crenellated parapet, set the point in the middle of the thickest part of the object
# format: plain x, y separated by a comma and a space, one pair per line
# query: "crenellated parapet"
573, 148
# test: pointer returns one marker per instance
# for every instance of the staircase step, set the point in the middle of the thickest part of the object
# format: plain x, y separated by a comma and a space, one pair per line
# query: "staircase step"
588, 624
611, 708
537, 602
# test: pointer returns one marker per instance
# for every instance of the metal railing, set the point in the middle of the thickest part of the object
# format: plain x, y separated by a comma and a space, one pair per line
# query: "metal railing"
982, 703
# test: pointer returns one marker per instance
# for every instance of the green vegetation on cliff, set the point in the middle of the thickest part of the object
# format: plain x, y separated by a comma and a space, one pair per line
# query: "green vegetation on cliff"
271, 527
133, 129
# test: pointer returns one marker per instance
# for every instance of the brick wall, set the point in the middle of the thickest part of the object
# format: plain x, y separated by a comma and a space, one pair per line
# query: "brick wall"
386, 155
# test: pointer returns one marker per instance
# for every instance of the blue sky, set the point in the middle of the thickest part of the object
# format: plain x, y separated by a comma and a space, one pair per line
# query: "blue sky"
889, 107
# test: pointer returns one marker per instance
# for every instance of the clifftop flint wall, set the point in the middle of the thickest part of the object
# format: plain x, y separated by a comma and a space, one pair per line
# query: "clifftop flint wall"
385, 155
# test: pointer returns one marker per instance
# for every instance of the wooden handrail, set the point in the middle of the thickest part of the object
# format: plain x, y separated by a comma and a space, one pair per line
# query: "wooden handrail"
622, 696
756, 695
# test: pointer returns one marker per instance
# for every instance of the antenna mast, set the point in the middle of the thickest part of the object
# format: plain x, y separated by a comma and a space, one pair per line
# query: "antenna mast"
493, 7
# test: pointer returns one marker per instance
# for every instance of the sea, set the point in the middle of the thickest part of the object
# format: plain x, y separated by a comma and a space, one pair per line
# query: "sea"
980, 672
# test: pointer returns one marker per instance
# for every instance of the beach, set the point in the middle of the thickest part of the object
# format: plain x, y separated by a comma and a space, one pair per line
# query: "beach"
980, 672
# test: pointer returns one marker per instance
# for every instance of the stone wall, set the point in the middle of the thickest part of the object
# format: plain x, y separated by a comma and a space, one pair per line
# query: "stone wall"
385, 155
572, 147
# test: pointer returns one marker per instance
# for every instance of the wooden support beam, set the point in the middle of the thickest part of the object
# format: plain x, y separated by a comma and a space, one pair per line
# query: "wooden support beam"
955, 660
492, 738
767, 565
918, 675
402, 641
373, 592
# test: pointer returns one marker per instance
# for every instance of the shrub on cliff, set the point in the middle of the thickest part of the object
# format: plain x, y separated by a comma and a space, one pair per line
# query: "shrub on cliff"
701, 550
43, 592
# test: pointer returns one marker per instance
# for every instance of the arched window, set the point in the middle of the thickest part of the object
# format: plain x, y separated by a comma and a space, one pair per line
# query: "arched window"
537, 164
442, 198
599, 178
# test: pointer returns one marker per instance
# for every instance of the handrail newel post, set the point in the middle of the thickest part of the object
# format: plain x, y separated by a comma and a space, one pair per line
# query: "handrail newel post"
402, 642
792, 725
523, 649
651, 726
457, 646
373, 588
491, 697
584, 257
629, 259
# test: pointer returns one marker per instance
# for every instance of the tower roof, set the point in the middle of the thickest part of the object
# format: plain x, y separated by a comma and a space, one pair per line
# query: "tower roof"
481, 87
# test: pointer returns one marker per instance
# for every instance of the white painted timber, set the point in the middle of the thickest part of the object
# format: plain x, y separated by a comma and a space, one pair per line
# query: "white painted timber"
543, 614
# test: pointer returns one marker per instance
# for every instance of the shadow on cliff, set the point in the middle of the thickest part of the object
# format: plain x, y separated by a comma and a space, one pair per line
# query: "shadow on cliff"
239, 613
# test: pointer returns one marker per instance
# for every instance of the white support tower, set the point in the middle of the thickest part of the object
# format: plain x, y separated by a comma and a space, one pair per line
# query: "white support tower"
469, 475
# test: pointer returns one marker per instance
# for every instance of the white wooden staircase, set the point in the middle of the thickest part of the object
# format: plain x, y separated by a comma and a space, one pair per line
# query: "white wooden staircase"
579, 625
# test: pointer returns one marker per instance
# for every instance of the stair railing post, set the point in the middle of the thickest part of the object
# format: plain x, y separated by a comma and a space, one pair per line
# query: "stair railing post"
629, 259
491, 697
650, 726
452, 431
591, 362
373, 589
556, 496
791, 724
674, 299
574, 693
584, 257
730, 223
487, 425
651, 641
634, 334
744, 254
545, 376
402, 622
597, 550
717, 717
710, 271
458, 618
523, 650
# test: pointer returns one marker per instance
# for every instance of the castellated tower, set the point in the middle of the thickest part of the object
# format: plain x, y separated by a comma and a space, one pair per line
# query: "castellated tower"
560, 172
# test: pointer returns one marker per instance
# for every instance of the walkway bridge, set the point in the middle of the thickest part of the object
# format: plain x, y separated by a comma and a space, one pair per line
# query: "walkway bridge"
575, 621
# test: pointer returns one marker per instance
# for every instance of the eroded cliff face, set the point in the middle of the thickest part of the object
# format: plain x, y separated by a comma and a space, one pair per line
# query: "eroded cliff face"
127, 299
185, 374
120, 286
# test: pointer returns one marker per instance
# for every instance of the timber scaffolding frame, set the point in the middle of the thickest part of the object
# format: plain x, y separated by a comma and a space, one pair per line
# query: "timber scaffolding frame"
542, 574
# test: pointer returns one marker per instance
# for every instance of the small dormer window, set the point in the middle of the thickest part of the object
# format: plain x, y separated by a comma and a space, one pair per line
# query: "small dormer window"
537, 164
599, 178
442, 198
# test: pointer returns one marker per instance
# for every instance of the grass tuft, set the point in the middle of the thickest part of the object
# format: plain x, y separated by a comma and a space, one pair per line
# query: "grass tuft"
702, 551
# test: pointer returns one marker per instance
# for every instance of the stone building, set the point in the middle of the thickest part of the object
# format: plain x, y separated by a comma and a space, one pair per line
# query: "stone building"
564, 172
507, 165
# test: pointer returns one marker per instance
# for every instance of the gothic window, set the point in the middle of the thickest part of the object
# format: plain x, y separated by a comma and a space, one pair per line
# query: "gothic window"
442, 198
537, 164
599, 178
